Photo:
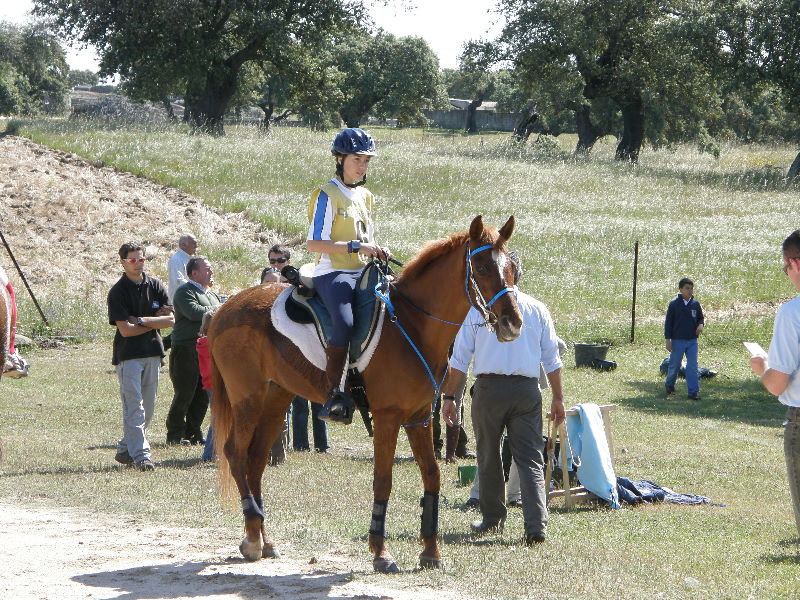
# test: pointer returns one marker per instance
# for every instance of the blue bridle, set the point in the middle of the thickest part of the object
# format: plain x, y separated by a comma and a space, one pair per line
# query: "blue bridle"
483, 308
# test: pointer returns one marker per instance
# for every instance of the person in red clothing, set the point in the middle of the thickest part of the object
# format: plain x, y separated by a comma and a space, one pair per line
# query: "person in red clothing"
15, 365
204, 362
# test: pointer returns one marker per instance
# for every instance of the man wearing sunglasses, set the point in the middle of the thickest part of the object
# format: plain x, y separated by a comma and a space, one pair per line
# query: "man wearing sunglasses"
138, 307
779, 369
278, 258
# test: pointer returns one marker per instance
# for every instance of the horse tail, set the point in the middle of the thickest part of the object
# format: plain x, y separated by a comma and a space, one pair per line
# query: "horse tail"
222, 421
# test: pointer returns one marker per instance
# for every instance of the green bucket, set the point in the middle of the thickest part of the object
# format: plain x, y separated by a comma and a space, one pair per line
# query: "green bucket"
466, 474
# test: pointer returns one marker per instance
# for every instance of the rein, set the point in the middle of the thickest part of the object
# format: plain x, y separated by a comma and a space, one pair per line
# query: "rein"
382, 293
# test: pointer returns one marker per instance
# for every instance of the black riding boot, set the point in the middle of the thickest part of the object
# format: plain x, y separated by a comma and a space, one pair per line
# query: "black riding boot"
339, 406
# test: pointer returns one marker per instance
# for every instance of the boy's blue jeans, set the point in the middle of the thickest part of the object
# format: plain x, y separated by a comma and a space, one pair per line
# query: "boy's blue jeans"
679, 348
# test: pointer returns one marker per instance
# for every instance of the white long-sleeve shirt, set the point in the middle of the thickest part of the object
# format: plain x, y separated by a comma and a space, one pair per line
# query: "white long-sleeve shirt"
537, 343
176, 271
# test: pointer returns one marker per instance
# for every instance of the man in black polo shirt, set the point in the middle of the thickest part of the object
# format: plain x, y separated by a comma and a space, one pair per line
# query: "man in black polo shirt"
138, 307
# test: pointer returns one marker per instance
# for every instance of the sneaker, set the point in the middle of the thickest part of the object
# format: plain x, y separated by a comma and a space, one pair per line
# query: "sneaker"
146, 465
695, 396
480, 527
670, 390
179, 443
514, 504
123, 458
16, 366
472, 503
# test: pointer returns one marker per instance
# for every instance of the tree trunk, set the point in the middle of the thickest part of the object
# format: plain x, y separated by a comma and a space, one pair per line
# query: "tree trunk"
472, 122
266, 122
588, 134
794, 171
208, 105
170, 113
525, 125
633, 129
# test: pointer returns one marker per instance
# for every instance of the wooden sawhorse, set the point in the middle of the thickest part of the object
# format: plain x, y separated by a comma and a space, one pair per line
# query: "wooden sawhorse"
571, 495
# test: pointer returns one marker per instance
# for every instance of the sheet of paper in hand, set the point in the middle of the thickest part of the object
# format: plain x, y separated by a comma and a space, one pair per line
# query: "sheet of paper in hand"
755, 349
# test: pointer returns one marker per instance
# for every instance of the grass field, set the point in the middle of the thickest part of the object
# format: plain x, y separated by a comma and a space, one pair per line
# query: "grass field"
720, 222
59, 432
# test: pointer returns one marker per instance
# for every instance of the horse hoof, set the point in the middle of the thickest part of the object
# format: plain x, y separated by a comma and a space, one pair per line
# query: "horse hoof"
270, 551
429, 562
250, 550
382, 565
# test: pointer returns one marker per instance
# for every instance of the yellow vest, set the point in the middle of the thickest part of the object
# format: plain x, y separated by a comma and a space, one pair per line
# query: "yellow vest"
333, 216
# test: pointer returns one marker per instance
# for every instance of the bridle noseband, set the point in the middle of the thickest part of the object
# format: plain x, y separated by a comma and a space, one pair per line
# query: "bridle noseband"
480, 304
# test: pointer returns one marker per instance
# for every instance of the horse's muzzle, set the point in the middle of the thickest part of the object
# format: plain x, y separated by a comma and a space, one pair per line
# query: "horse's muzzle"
506, 330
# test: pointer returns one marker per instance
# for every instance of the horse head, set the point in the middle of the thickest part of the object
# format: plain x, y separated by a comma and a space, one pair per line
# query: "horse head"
490, 274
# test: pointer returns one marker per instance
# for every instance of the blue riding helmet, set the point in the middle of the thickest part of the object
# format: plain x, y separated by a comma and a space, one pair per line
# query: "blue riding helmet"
354, 141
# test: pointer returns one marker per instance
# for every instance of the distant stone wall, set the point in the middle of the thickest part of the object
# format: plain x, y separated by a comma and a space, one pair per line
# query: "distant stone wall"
457, 119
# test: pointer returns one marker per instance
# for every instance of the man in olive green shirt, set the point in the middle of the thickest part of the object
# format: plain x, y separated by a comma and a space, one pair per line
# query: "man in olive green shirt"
190, 402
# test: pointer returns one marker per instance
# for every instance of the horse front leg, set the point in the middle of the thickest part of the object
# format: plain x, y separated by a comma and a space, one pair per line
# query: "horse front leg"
421, 439
386, 428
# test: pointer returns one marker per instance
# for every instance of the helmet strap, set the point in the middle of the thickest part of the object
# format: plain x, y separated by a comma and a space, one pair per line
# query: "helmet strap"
340, 175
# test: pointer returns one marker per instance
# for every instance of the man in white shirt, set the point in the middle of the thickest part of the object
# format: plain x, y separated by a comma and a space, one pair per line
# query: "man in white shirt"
176, 266
779, 370
507, 397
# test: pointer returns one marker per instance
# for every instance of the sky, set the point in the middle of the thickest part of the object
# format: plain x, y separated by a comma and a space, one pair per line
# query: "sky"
445, 24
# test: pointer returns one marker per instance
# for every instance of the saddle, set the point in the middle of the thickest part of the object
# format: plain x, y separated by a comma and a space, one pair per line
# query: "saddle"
304, 306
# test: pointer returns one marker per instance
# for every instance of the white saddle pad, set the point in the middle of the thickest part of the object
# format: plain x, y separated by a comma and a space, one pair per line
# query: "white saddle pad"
304, 336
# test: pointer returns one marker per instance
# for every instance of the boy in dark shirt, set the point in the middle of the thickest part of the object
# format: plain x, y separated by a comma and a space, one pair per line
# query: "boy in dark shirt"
138, 307
682, 326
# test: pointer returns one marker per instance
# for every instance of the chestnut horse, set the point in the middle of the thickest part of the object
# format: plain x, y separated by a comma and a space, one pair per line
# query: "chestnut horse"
256, 371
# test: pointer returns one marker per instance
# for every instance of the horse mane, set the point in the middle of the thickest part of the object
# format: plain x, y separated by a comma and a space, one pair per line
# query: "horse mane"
436, 248
430, 252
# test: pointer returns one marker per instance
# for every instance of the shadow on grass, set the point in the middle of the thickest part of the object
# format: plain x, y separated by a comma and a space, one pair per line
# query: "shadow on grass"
170, 463
723, 398
785, 557
63, 471
766, 178
187, 580
368, 459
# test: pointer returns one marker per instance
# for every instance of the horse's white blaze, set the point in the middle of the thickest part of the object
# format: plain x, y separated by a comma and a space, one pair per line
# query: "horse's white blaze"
500, 260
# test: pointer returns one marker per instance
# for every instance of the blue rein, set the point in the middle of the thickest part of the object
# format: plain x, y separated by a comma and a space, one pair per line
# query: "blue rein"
384, 297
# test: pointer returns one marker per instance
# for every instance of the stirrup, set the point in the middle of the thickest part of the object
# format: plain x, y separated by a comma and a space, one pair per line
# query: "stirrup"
338, 408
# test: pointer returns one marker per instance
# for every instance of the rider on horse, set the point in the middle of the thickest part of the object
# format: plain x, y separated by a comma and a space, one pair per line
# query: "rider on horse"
341, 233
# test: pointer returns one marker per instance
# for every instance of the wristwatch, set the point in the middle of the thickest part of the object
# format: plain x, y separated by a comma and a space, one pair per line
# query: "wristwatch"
139, 321
354, 246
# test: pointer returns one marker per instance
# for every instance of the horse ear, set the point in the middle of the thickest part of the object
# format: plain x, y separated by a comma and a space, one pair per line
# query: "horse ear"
476, 228
507, 230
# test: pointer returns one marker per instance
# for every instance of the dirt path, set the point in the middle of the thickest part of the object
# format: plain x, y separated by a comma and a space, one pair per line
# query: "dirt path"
61, 554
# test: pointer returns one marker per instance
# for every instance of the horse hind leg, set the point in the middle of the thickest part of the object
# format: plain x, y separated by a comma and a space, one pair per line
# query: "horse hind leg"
267, 430
421, 439
247, 452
